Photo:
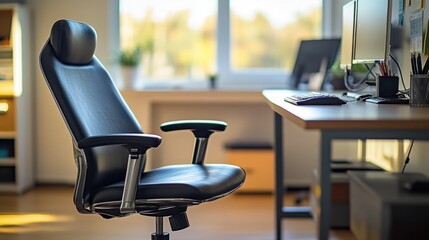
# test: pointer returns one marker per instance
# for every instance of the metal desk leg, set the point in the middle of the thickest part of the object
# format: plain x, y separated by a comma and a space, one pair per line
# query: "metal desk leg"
325, 185
278, 132
283, 212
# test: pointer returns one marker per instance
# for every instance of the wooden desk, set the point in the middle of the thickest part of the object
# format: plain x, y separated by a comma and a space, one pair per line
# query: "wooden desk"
355, 120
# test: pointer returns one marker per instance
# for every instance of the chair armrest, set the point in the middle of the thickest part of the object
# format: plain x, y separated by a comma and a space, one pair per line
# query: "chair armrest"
137, 144
200, 128
131, 139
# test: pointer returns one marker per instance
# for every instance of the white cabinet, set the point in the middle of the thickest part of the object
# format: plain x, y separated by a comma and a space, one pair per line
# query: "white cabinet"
16, 132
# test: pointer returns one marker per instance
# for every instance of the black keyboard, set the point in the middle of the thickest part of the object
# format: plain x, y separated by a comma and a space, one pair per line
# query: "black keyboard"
314, 98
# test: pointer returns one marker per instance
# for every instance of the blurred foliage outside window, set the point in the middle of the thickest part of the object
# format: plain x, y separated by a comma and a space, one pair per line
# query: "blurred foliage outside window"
266, 34
178, 38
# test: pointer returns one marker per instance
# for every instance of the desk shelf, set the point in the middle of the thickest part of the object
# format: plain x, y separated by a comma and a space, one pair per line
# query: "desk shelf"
16, 133
7, 162
7, 134
8, 187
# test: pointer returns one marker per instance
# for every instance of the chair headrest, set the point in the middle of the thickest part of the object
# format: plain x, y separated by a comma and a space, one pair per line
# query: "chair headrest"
73, 42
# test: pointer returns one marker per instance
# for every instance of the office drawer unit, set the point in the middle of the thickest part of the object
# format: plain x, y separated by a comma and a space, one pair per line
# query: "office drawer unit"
339, 199
381, 209
340, 190
259, 166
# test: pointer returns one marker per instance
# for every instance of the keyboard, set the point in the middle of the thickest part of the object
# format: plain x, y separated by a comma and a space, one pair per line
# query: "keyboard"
314, 98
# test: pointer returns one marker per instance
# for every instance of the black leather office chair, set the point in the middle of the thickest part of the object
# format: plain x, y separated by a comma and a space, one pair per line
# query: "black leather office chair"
110, 147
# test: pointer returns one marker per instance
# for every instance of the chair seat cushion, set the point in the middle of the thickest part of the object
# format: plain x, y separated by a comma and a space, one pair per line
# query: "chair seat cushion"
193, 181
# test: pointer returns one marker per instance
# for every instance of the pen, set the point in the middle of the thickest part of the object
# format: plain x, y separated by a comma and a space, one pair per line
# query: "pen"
387, 69
380, 66
413, 63
426, 67
419, 64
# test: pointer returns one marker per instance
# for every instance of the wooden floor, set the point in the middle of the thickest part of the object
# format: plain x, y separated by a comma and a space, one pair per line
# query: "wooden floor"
47, 213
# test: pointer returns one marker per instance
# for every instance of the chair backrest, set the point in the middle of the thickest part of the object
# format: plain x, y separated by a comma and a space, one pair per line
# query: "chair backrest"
87, 99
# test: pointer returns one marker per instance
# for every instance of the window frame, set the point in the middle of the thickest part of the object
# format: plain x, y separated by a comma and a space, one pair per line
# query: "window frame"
240, 79
254, 78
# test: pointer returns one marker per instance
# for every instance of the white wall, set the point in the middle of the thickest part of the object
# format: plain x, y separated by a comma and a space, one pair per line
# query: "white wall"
54, 161
337, 12
392, 153
419, 155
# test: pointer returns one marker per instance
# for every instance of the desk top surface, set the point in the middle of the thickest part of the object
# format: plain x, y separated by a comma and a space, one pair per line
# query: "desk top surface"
353, 115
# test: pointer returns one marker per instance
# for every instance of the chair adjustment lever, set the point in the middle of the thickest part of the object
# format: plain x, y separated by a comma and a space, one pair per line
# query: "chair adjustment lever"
179, 221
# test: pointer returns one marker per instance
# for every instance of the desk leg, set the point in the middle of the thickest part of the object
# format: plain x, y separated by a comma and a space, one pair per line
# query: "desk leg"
325, 185
283, 212
278, 132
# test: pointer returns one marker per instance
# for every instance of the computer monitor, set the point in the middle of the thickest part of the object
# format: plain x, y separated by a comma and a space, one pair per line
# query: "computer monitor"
314, 56
348, 35
372, 35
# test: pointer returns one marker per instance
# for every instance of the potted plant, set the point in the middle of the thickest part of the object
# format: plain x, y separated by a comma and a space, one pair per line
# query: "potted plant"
129, 60
212, 80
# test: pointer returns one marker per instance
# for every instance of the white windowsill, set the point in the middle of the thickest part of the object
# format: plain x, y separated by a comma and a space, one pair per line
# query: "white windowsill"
205, 86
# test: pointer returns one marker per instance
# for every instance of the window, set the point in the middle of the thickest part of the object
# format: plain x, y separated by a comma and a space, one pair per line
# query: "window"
240, 40
265, 34
177, 37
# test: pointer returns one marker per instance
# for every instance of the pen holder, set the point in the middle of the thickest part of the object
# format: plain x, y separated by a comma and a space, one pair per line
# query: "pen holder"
419, 90
387, 86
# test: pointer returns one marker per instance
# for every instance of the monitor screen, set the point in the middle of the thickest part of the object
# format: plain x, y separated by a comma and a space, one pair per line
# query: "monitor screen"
347, 36
314, 56
372, 36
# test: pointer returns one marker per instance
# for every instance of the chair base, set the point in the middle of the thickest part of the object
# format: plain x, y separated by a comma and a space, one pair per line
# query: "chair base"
163, 236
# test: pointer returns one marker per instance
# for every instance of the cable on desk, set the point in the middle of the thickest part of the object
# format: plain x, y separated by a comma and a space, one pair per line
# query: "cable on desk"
405, 91
407, 160
360, 84
370, 70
